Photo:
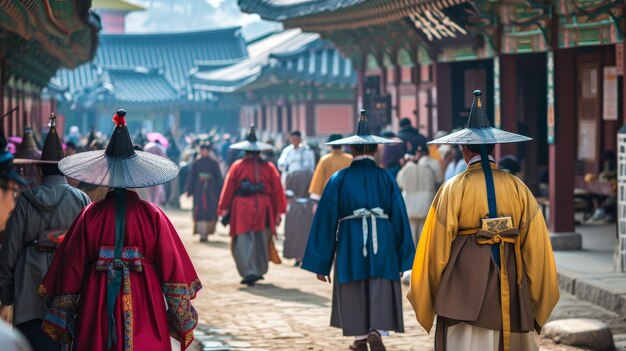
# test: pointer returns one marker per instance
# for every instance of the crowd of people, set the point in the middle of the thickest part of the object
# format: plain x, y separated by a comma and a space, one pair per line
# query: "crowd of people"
94, 261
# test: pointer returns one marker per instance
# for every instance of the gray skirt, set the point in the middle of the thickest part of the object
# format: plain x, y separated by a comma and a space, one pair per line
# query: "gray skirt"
297, 226
251, 254
363, 305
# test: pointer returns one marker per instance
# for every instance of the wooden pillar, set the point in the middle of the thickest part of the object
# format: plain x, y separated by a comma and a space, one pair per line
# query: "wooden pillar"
562, 154
310, 118
383, 73
286, 125
442, 79
416, 80
623, 65
361, 66
508, 102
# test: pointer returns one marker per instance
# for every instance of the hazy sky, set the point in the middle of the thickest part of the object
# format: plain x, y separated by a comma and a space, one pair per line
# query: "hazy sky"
191, 15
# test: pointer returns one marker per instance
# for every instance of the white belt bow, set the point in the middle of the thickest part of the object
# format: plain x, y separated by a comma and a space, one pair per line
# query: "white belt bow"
364, 213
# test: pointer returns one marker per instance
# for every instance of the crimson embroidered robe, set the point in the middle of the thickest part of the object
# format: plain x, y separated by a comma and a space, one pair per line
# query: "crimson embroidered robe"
154, 264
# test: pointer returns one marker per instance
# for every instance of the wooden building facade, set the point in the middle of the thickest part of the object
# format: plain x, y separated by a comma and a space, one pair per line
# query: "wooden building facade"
37, 38
549, 69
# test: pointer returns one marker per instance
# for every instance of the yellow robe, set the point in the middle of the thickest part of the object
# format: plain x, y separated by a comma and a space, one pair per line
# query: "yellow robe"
327, 166
460, 204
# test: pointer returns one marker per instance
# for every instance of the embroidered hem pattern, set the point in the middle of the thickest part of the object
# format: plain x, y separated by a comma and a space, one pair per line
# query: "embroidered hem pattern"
181, 316
59, 315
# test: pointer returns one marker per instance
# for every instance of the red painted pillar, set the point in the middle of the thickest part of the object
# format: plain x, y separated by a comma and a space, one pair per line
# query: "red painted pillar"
562, 154
508, 102
442, 79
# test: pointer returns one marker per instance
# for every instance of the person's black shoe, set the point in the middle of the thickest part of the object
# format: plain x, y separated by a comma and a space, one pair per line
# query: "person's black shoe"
297, 264
249, 280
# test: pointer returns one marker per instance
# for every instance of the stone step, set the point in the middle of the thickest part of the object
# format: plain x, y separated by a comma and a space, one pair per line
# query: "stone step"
580, 332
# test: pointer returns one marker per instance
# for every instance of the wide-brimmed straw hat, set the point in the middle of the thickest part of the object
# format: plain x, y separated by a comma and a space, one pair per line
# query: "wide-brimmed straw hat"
479, 130
362, 135
251, 143
119, 166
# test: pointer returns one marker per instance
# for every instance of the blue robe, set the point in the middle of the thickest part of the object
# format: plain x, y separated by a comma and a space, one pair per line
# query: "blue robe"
362, 185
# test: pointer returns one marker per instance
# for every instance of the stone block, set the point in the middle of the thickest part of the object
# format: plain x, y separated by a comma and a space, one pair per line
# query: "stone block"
567, 282
568, 241
580, 332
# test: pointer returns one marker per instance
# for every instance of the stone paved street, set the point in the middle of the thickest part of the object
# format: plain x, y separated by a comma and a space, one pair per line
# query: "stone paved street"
290, 309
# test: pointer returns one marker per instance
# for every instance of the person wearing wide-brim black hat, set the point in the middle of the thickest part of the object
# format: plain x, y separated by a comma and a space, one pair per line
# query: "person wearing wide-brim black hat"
34, 231
27, 150
362, 226
10, 183
129, 256
486, 235
328, 164
252, 203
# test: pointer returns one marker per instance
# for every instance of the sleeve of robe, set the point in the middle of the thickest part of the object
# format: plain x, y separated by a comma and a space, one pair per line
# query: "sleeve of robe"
320, 248
217, 174
538, 259
179, 281
12, 242
191, 179
279, 201
229, 189
401, 177
402, 230
432, 255
62, 284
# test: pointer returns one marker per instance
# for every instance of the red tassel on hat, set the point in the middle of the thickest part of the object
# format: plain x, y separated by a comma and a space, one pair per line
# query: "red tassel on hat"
119, 118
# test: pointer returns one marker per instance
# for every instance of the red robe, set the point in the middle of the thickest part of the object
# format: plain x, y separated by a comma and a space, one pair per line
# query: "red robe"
155, 264
257, 212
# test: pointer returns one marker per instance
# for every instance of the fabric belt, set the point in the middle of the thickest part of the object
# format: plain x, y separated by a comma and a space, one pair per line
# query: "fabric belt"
364, 214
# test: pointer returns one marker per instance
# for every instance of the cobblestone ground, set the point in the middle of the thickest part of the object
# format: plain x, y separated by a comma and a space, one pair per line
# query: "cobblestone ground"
290, 309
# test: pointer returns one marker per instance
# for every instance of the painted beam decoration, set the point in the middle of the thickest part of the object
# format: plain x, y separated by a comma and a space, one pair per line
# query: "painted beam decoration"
451, 30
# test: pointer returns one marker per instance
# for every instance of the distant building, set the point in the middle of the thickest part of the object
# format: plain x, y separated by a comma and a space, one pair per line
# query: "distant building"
291, 80
148, 74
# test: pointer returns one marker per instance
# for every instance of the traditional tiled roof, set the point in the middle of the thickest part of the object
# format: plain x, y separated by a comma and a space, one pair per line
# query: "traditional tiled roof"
320, 63
233, 77
289, 55
129, 85
327, 15
176, 54
40, 36
280, 10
